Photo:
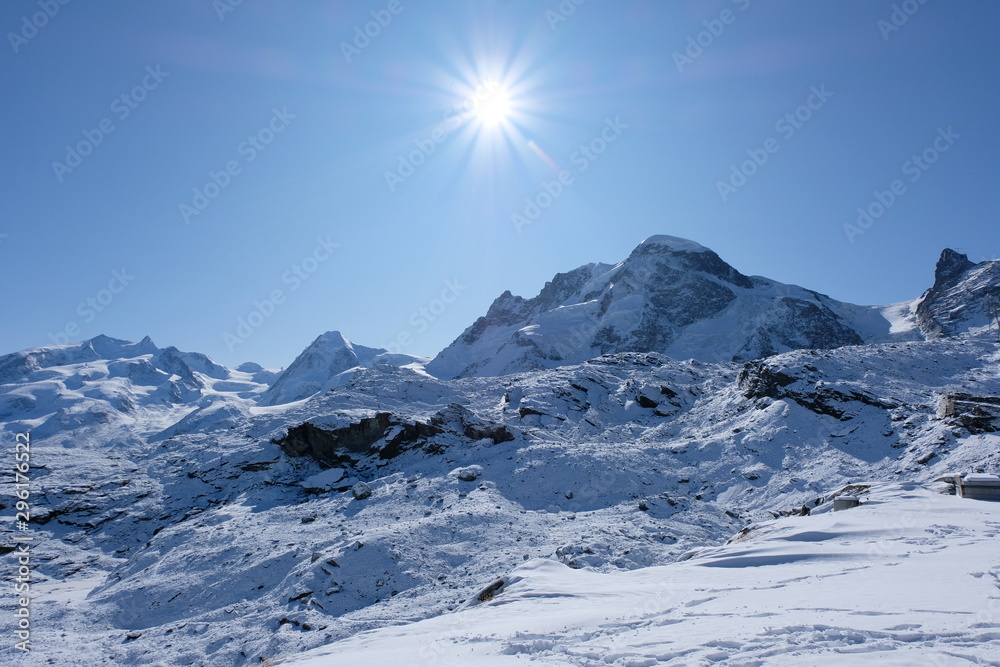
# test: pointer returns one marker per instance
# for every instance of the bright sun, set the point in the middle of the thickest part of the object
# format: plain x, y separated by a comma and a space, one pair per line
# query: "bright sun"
493, 104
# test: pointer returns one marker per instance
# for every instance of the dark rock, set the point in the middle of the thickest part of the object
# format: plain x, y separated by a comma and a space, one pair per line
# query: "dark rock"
458, 418
950, 267
490, 591
645, 402
758, 379
347, 445
977, 414
962, 295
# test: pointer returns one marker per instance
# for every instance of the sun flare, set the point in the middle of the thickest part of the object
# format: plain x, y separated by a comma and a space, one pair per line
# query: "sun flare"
492, 104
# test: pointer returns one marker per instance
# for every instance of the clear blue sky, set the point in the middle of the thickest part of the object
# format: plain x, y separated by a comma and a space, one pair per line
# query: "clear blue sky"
309, 129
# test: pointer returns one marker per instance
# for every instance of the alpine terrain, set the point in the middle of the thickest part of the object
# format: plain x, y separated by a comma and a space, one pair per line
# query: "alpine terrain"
637, 466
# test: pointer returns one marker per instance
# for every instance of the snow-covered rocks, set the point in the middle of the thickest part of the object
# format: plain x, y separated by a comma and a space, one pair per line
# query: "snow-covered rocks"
467, 473
361, 491
324, 481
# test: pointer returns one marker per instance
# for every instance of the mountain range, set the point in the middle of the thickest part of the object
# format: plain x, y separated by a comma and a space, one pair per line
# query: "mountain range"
679, 298
628, 416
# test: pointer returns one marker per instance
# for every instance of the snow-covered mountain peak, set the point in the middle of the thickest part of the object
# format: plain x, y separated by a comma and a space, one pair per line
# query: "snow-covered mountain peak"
332, 340
327, 362
671, 296
961, 297
675, 243
950, 266
113, 348
20, 365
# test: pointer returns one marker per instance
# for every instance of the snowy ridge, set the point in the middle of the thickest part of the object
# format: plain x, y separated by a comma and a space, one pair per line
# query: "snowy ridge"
672, 296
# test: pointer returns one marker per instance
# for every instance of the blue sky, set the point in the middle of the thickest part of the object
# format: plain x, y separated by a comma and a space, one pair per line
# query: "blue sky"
172, 168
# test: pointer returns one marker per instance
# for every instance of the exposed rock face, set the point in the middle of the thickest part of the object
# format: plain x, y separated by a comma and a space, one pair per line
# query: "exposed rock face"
960, 296
978, 414
671, 296
385, 436
347, 445
759, 379
461, 419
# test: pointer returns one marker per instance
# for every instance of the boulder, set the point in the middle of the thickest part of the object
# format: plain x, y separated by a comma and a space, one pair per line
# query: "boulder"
360, 491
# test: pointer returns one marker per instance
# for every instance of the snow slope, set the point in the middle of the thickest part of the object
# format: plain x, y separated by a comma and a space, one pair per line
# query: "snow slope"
910, 577
208, 532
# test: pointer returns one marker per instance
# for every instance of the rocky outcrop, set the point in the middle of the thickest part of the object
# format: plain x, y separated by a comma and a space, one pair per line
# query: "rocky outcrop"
978, 414
349, 444
961, 297
385, 436
459, 419
758, 379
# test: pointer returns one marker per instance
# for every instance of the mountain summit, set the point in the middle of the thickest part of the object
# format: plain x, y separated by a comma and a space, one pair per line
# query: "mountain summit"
327, 362
962, 296
671, 295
